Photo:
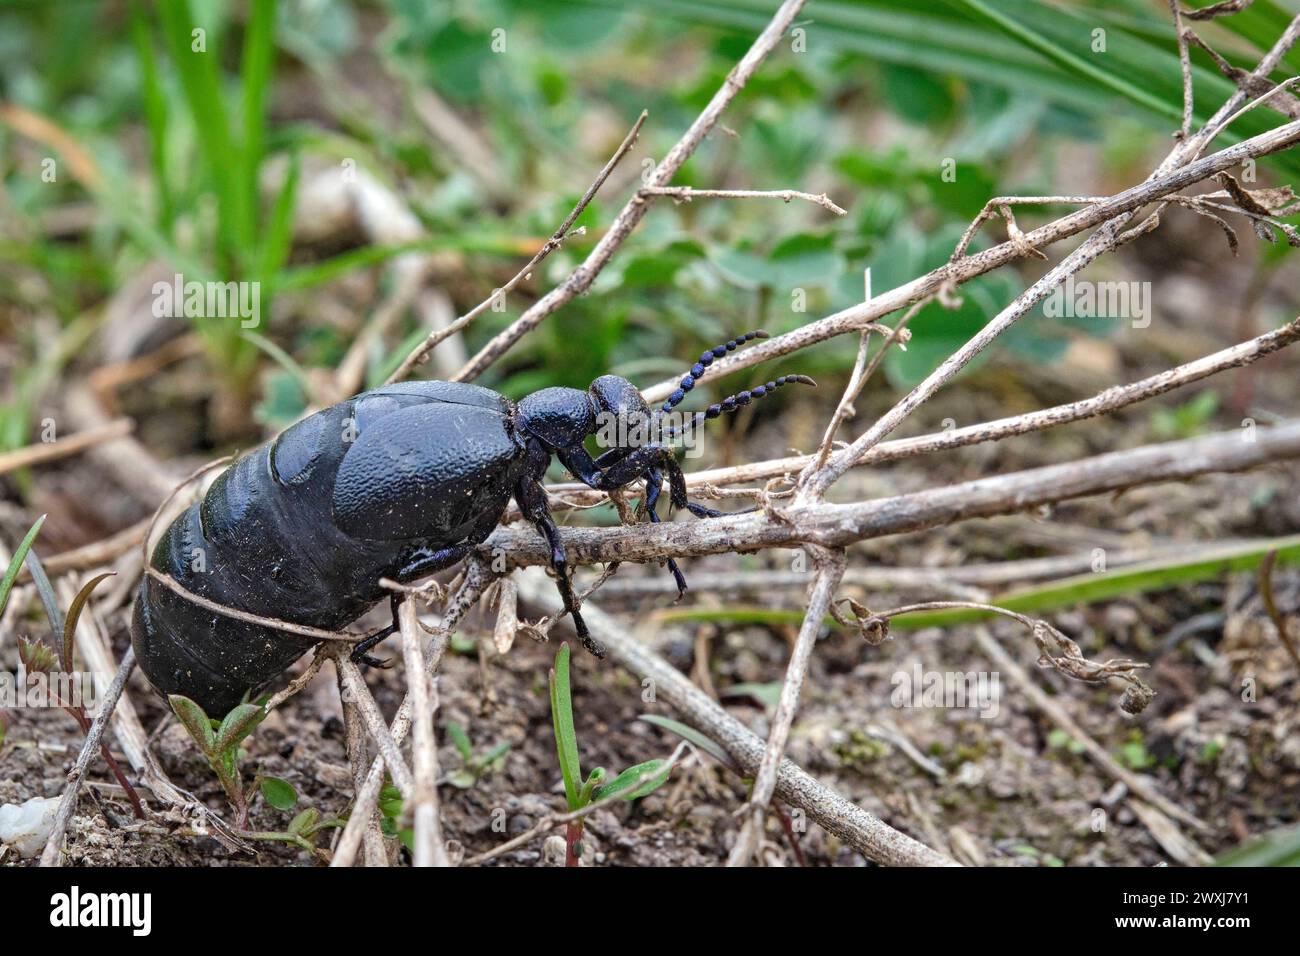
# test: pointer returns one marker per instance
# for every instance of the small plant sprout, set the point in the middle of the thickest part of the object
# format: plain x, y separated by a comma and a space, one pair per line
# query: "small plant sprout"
219, 741
631, 784
472, 766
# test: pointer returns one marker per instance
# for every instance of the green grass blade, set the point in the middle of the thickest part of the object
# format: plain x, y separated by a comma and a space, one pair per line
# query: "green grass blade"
1205, 564
256, 65
201, 83
566, 737
155, 114
16, 562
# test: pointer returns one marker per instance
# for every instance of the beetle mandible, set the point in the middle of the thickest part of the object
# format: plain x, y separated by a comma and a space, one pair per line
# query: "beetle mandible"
397, 482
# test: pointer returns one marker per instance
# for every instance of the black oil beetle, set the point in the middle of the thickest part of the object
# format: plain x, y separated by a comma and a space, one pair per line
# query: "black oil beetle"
397, 482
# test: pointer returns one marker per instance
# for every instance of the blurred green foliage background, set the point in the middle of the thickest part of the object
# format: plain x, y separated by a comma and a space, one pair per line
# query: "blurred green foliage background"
195, 161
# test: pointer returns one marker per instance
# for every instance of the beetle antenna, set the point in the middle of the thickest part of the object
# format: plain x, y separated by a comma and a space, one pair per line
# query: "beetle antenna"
706, 359
739, 400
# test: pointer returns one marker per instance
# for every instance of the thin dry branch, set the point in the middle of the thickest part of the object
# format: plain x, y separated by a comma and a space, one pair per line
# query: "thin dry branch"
579, 281
476, 580
429, 849
43, 452
89, 748
839, 525
376, 726
687, 193
421, 352
954, 273
829, 568
859, 829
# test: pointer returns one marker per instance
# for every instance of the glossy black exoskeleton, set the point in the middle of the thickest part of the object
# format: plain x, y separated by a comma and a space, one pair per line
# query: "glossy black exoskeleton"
397, 482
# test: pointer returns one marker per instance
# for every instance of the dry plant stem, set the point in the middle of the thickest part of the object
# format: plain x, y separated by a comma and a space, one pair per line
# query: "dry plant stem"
1185, 63
1270, 606
999, 205
376, 848
295, 686
839, 525
477, 578
429, 849
968, 580
1058, 715
91, 745
687, 193
93, 555
1110, 400
289, 627
864, 832
422, 351
579, 281
829, 568
376, 726
955, 273
43, 452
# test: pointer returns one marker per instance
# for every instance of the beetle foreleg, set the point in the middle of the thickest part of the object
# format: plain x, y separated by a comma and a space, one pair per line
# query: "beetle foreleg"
653, 488
531, 498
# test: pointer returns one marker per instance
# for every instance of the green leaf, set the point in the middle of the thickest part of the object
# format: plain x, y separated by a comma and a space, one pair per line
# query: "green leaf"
16, 562
766, 694
390, 801
49, 600
650, 781
279, 793
194, 720
74, 615
1281, 848
566, 737
461, 741
238, 724
304, 823
690, 734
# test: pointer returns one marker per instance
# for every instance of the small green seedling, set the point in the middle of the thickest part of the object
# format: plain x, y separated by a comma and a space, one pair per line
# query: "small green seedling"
390, 814
473, 767
219, 742
631, 784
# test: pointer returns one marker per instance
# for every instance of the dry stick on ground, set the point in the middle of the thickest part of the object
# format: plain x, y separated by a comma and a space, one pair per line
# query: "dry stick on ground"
477, 578
579, 281
954, 273
829, 568
376, 726
1112, 399
89, 748
1270, 606
93, 555
1056, 712
839, 525
429, 849
859, 829
971, 579
422, 351
354, 737
43, 452
687, 193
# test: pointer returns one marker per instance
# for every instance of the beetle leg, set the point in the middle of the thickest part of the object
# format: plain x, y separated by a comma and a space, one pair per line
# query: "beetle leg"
531, 499
677, 489
360, 653
653, 487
